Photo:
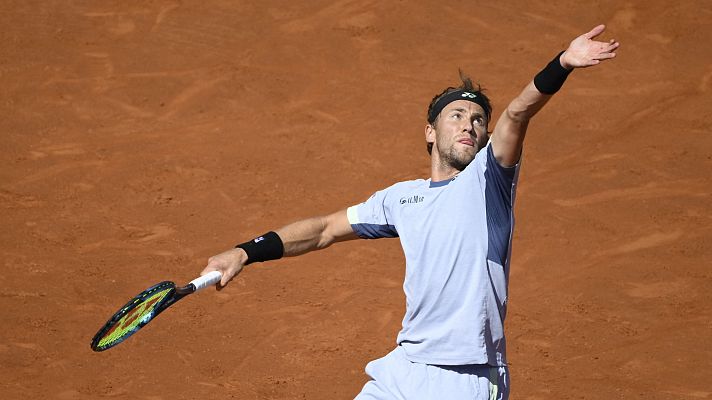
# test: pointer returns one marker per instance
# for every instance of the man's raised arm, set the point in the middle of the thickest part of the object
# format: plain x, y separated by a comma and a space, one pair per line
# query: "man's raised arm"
294, 239
508, 135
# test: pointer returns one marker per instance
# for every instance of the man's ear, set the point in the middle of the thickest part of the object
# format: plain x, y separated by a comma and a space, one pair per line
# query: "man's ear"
429, 133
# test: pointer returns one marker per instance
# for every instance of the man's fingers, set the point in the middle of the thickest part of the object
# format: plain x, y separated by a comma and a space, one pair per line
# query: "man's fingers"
595, 32
229, 263
608, 46
608, 51
229, 274
605, 56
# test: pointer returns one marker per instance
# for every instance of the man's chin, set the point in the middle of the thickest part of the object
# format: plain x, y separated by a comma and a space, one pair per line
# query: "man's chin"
459, 159
463, 161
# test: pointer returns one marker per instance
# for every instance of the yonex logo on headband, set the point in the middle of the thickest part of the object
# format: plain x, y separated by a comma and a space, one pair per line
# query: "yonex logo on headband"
454, 96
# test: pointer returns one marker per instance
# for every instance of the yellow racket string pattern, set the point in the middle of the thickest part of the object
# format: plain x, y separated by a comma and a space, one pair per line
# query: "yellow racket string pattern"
130, 321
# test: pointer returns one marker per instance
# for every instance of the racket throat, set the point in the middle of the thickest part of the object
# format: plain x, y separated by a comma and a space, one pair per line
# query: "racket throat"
188, 289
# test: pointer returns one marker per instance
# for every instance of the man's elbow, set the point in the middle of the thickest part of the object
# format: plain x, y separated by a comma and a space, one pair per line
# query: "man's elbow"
325, 240
518, 116
326, 235
335, 228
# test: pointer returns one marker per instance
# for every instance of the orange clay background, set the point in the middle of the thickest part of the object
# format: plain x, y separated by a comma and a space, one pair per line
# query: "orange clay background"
140, 138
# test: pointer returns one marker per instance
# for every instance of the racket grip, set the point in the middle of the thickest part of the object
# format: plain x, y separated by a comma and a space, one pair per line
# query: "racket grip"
206, 280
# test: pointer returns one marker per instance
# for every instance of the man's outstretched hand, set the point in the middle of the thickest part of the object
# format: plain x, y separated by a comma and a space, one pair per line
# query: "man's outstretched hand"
584, 51
229, 263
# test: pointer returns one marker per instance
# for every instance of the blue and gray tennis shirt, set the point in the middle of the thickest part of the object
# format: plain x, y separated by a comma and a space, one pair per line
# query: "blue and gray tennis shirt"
456, 236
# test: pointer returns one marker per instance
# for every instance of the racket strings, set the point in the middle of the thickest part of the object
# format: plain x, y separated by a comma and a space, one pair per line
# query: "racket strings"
136, 314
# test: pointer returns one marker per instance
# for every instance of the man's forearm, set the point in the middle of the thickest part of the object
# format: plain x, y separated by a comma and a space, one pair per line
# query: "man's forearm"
512, 126
527, 104
294, 239
303, 236
315, 233
291, 240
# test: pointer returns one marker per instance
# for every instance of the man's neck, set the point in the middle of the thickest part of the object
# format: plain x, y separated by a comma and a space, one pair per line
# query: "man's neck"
440, 172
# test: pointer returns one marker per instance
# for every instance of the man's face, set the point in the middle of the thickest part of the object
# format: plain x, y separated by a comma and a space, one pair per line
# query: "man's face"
459, 133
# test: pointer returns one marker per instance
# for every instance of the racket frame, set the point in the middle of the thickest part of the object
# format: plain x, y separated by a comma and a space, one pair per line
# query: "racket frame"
167, 300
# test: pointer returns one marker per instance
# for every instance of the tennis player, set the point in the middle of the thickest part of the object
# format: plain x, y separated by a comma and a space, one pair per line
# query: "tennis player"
455, 229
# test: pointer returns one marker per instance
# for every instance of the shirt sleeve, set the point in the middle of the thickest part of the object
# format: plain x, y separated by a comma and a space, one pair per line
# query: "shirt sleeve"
372, 218
500, 188
501, 180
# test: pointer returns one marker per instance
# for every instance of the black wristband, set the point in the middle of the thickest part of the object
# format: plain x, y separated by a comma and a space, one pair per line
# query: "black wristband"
550, 79
264, 248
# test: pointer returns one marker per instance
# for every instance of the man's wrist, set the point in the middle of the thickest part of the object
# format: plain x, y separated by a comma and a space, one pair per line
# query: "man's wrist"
550, 79
241, 254
564, 63
263, 248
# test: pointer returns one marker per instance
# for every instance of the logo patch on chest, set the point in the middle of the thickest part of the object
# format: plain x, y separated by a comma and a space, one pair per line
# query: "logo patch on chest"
412, 199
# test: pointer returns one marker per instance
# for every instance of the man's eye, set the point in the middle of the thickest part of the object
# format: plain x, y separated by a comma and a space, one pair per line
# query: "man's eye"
456, 116
479, 121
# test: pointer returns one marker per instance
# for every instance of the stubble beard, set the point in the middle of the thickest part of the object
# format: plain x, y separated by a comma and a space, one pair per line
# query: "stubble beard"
458, 160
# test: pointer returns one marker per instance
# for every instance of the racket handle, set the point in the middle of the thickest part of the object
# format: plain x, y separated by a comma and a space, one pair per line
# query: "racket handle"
206, 280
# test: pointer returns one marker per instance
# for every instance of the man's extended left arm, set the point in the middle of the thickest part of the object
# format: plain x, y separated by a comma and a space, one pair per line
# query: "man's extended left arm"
508, 135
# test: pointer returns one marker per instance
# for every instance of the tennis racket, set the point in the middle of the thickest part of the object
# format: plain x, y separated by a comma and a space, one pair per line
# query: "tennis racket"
143, 308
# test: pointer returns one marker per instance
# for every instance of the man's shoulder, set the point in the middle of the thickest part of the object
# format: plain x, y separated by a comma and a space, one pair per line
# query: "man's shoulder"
409, 185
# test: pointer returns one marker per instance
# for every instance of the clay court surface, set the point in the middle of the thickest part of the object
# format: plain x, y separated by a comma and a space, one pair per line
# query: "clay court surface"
140, 138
